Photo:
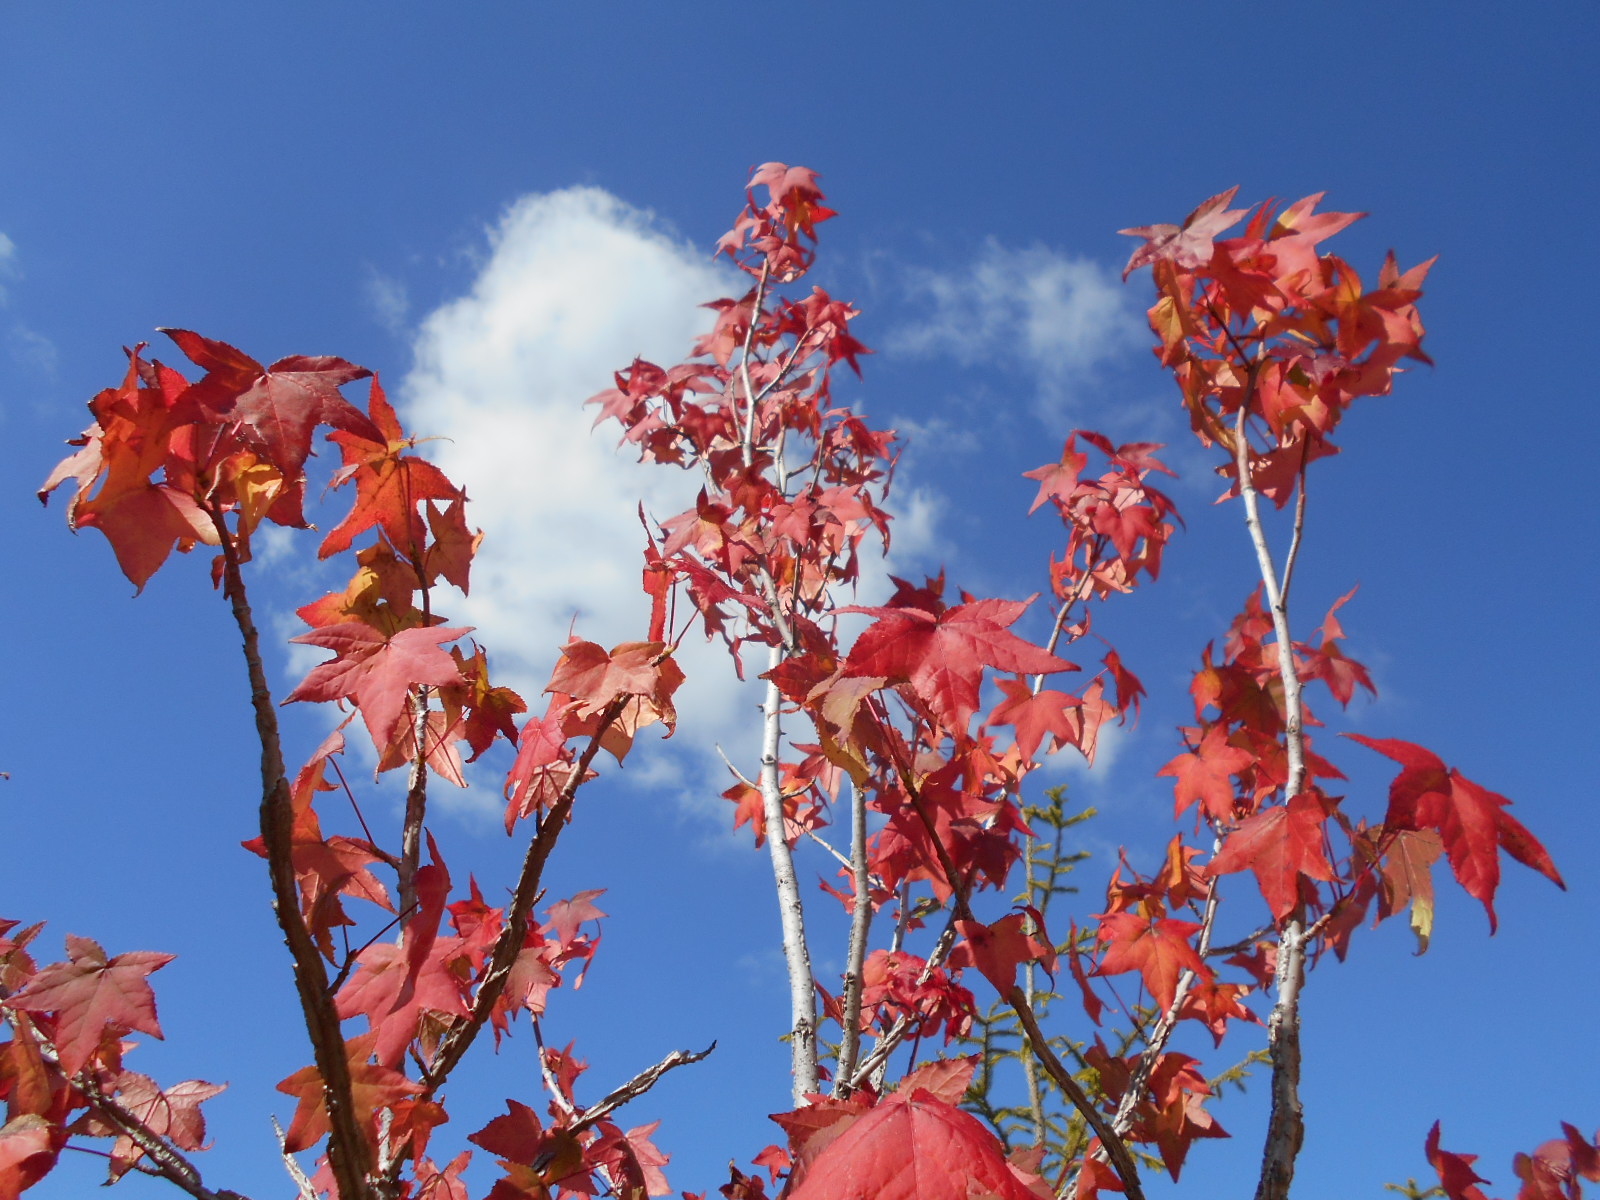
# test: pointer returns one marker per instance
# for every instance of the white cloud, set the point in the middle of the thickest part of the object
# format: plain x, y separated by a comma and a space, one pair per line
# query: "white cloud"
576, 285
1056, 318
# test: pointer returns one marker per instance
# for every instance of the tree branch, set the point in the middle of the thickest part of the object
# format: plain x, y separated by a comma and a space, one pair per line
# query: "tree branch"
509, 944
860, 926
791, 910
1286, 1124
348, 1152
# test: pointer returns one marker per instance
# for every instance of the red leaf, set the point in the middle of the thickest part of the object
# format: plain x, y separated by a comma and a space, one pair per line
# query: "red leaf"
1050, 712
1206, 775
373, 1087
29, 1145
390, 484
1280, 845
1470, 819
279, 407
87, 996
913, 1148
999, 949
1159, 951
1456, 1175
378, 672
1188, 245
943, 657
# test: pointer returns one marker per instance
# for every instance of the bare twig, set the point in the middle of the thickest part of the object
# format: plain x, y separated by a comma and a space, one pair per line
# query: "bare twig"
791, 910
639, 1085
292, 1165
860, 926
509, 944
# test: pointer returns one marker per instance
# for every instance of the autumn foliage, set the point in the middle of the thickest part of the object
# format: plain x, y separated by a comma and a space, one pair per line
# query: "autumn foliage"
915, 736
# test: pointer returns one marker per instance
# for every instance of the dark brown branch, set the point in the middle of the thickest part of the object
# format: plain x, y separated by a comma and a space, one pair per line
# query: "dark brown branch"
509, 944
1121, 1159
348, 1155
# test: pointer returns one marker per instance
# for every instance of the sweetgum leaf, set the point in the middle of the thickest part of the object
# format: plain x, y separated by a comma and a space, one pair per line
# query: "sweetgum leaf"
942, 657
88, 995
914, 1147
377, 672
279, 407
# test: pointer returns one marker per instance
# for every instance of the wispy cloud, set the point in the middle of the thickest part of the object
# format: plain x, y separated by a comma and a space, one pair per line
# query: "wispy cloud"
1056, 319
387, 300
8, 263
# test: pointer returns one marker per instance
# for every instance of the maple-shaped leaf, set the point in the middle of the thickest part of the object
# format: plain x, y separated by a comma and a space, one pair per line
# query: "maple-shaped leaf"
1281, 845
550, 1156
1471, 819
999, 949
1159, 950
1188, 245
631, 1159
279, 407
1207, 774
1407, 879
373, 1087
378, 672
543, 769
942, 657
1058, 480
450, 555
1036, 715
390, 484
645, 672
144, 523
1178, 1117
395, 987
325, 868
172, 1113
434, 1184
89, 995
914, 1147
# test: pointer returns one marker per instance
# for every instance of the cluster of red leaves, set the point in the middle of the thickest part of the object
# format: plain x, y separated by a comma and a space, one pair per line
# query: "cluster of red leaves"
62, 1074
793, 486
1271, 341
169, 462
1552, 1172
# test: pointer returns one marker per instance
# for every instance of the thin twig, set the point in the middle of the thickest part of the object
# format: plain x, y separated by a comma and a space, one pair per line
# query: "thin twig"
639, 1085
1121, 1160
296, 1172
509, 944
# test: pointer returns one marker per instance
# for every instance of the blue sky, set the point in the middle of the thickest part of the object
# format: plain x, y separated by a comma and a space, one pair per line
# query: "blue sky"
497, 206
